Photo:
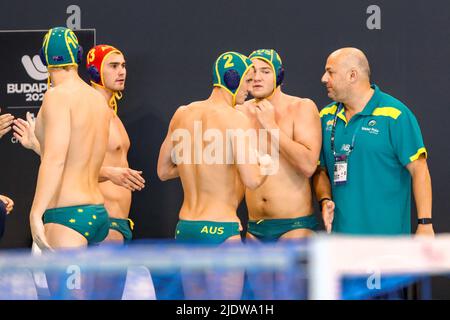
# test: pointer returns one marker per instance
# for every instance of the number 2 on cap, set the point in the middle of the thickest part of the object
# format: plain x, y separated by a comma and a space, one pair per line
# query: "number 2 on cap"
228, 64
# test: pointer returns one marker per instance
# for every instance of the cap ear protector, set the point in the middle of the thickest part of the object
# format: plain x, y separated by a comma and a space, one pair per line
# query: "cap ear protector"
60, 48
94, 74
229, 71
232, 79
280, 76
273, 59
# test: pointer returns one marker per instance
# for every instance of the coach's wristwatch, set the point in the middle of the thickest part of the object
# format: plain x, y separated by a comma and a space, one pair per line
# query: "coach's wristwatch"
322, 200
424, 221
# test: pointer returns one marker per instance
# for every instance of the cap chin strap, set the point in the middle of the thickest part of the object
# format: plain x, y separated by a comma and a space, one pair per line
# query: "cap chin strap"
116, 95
271, 95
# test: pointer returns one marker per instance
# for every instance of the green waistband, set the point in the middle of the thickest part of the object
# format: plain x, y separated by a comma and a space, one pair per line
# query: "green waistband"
273, 229
212, 223
81, 206
283, 221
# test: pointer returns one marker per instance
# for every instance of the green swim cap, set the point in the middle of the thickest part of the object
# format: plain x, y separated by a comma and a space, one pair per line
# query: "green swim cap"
60, 48
229, 70
273, 59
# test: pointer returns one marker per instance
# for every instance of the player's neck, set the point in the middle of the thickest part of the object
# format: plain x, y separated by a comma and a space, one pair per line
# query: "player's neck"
59, 75
221, 96
275, 97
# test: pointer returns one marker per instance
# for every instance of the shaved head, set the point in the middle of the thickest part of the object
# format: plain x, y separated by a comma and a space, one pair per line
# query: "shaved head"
353, 58
347, 72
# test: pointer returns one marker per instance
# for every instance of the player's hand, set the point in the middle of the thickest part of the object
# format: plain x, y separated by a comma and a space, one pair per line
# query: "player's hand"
24, 132
127, 178
425, 230
328, 214
265, 113
38, 233
9, 204
6, 120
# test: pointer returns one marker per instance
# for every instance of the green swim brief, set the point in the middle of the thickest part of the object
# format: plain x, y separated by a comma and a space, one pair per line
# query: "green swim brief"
273, 229
91, 221
124, 226
206, 232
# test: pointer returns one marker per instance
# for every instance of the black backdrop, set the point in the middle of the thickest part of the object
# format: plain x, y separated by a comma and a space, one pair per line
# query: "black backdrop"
170, 47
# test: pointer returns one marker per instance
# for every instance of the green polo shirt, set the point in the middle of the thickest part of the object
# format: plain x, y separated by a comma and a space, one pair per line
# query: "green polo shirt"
376, 200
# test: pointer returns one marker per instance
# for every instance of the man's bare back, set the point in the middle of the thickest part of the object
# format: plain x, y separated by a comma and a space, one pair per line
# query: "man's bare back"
88, 118
211, 191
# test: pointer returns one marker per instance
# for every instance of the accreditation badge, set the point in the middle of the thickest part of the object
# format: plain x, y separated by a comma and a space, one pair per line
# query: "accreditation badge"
340, 169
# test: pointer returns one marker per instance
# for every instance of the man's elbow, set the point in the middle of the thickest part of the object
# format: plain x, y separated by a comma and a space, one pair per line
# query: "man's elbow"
254, 182
163, 175
307, 170
167, 172
252, 185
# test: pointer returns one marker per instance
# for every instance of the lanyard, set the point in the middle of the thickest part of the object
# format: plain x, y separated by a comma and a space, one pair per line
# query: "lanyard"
333, 133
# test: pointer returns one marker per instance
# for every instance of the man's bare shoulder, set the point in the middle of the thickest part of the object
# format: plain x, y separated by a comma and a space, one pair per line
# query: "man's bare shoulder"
56, 98
177, 116
245, 106
194, 104
300, 105
190, 107
68, 93
180, 110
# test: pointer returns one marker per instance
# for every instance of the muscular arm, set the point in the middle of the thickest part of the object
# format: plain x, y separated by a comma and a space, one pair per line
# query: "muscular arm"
421, 184
166, 168
56, 131
302, 152
250, 171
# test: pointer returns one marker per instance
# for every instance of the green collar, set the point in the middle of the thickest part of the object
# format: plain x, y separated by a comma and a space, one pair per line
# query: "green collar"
373, 102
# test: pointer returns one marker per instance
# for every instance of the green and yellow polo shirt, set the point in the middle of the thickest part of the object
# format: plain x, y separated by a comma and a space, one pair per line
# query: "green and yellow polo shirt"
376, 199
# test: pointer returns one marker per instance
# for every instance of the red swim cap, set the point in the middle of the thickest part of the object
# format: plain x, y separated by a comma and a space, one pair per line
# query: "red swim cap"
94, 63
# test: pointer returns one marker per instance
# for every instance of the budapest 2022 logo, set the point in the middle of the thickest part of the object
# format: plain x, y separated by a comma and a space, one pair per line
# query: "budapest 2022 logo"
35, 70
